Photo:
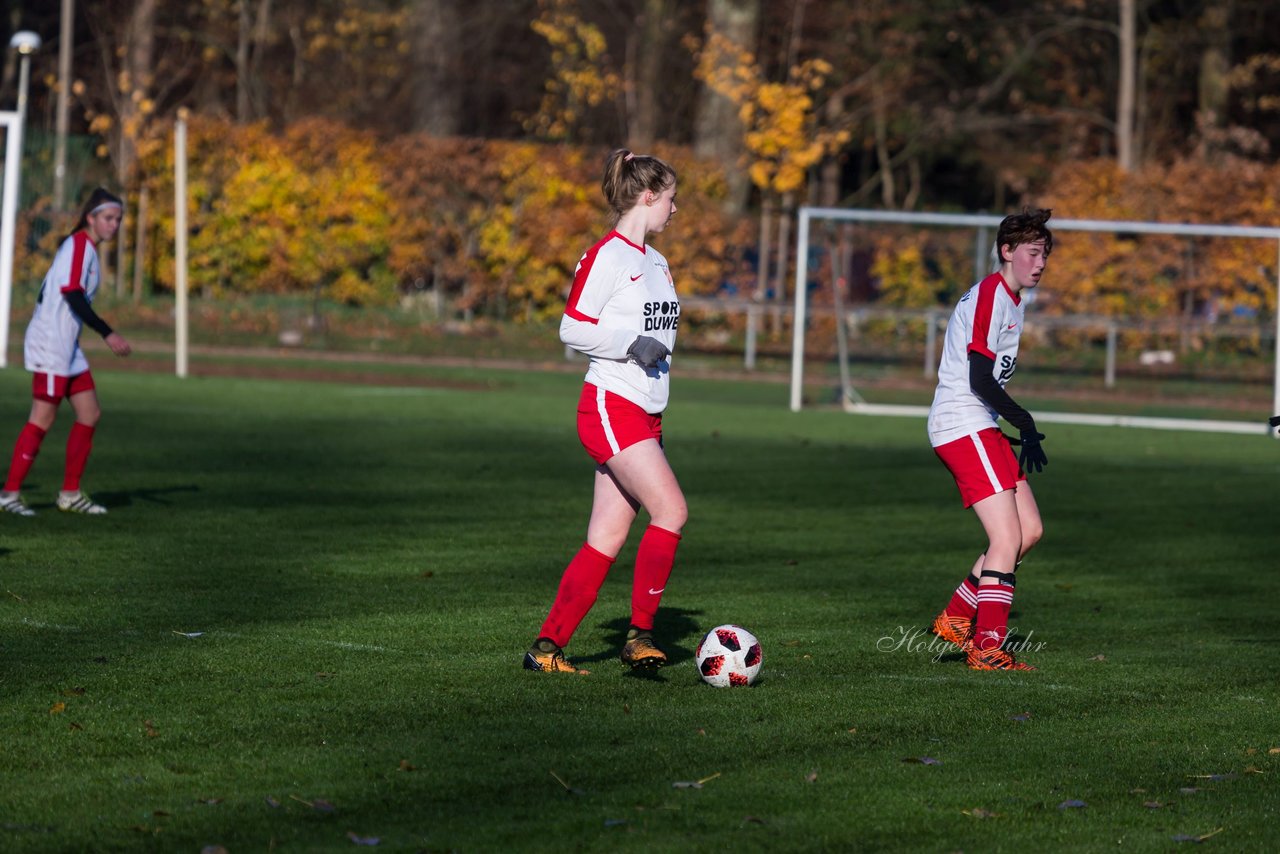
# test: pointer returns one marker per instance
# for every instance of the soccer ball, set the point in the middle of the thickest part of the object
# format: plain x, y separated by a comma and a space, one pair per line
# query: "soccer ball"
729, 656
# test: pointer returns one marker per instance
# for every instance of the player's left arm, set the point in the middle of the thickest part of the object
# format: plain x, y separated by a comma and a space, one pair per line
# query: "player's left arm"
982, 380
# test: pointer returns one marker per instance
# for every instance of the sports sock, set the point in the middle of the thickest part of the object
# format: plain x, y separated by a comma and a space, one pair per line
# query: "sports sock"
964, 602
994, 601
79, 444
654, 559
24, 454
579, 587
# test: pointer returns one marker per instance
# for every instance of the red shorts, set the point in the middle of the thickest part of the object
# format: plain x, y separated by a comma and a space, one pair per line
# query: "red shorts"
609, 423
53, 388
982, 464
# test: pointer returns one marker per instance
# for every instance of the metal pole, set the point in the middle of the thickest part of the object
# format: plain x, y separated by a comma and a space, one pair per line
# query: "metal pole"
64, 87
930, 343
180, 239
1111, 355
798, 321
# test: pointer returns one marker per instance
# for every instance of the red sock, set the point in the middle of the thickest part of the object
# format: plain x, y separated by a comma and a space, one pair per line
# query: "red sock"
578, 589
24, 454
994, 601
79, 444
964, 602
656, 556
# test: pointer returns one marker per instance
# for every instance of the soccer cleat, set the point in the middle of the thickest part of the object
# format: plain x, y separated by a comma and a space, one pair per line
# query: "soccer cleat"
79, 502
956, 630
640, 650
11, 502
993, 659
545, 657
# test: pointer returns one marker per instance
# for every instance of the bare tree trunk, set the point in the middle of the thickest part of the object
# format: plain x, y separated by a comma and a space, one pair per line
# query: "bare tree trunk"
253, 33
438, 92
829, 191
1215, 63
651, 59
717, 132
784, 252
140, 244
139, 59
1128, 73
888, 191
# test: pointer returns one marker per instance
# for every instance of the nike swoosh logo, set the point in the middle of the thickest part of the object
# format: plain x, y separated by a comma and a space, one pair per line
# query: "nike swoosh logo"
633, 278
1013, 326
653, 592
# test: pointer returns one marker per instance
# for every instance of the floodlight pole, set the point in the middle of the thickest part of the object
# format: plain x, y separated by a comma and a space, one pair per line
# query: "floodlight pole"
180, 241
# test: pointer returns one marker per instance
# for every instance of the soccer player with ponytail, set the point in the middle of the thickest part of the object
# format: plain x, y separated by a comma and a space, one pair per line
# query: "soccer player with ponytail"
979, 356
622, 313
53, 355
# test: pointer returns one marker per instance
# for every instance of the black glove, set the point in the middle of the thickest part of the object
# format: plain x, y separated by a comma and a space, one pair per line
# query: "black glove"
1032, 457
1274, 420
648, 352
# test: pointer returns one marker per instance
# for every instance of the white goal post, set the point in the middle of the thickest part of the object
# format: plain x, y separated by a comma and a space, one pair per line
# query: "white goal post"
808, 215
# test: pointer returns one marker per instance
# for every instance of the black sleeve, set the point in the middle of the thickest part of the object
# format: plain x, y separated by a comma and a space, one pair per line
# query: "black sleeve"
982, 380
80, 308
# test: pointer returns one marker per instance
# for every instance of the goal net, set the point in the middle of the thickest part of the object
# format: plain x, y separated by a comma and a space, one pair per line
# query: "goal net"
1171, 306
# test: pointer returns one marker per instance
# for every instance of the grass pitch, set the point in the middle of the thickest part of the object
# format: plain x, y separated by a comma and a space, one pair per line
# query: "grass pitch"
300, 628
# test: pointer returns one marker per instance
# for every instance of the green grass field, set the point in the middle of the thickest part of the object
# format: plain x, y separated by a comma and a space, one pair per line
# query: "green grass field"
300, 629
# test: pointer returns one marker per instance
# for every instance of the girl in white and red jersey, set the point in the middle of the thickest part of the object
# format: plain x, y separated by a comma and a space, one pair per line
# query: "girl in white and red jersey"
622, 312
979, 356
53, 355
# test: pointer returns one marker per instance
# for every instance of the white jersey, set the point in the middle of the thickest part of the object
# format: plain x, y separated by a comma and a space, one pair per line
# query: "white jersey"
52, 343
987, 320
621, 291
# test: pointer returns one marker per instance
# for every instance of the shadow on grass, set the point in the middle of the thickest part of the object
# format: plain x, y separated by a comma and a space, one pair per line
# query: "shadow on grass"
126, 497
673, 629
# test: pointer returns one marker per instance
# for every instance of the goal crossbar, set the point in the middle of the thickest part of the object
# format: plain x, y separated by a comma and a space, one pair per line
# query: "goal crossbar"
806, 215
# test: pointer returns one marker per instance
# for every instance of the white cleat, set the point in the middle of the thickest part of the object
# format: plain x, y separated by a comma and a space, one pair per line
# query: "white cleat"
11, 502
79, 502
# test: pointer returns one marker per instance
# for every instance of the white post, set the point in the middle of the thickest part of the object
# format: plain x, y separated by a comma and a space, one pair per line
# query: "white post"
180, 239
930, 343
9, 214
798, 321
1275, 394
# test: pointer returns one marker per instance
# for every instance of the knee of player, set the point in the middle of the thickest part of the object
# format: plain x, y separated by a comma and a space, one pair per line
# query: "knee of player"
1031, 534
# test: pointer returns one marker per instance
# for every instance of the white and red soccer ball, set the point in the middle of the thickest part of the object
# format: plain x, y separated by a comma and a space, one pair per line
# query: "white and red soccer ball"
729, 656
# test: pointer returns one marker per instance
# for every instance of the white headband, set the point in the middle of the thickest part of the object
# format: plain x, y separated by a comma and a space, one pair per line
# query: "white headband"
105, 205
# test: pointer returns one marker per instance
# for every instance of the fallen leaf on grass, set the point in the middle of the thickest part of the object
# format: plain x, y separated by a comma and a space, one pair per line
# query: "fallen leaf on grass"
1153, 805
694, 784
1212, 776
1072, 805
73, 692
1182, 837
979, 812
58, 708
614, 822
362, 840
811, 777
1137, 791
272, 802
1099, 657
15, 596
752, 819
323, 675
1188, 790
188, 634
152, 732
213, 849
922, 760
1249, 769
1024, 716
567, 789
1273, 751
74, 725
319, 804
853, 729
210, 802
405, 765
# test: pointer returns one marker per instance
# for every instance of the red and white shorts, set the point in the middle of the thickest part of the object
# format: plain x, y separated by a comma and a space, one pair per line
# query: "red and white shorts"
609, 423
982, 464
53, 388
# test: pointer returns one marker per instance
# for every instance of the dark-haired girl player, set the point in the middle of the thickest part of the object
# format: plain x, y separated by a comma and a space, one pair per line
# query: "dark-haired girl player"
58, 366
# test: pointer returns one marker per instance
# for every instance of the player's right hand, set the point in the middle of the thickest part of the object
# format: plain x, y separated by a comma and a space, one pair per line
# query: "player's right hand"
118, 344
648, 352
1032, 457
